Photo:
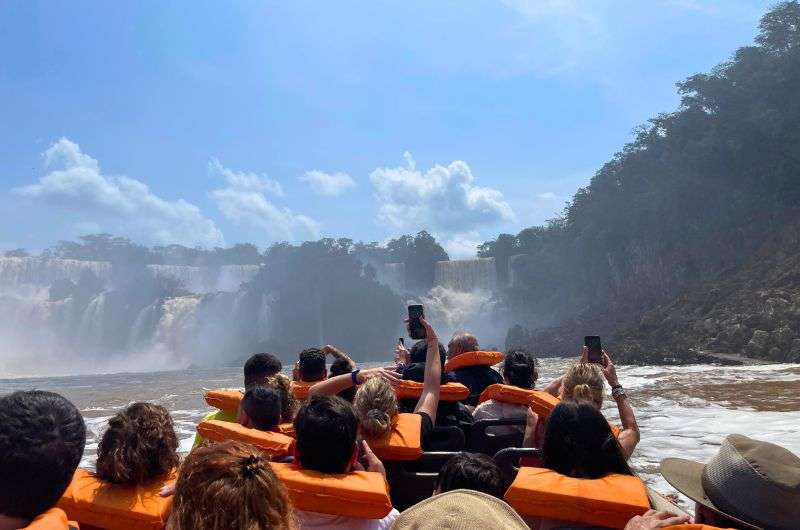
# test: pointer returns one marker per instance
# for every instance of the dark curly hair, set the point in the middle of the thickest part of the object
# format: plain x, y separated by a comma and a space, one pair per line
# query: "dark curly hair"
519, 369
139, 445
42, 436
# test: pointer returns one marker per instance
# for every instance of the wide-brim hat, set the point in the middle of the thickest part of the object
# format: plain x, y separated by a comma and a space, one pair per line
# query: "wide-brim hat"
460, 510
754, 483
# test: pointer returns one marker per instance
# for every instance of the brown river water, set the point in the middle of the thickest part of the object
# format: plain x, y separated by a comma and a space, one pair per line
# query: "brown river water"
683, 411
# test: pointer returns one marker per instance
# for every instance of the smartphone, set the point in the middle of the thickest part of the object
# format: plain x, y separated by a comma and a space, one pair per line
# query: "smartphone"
415, 329
595, 349
401, 341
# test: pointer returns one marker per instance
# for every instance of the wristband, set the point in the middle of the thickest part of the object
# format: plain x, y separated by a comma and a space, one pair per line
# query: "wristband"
354, 377
618, 391
614, 387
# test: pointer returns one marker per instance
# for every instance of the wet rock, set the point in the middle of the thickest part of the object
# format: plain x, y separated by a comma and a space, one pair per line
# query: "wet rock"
776, 354
782, 337
757, 347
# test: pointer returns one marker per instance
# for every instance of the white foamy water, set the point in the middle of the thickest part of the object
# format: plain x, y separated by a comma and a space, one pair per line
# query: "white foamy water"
683, 411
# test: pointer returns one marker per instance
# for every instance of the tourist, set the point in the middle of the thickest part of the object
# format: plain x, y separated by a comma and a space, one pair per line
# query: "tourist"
585, 380
310, 367
257, 369
747, 484
283, 386
139, 445
476, 378
342, 364
229, 485
326, 428
461, 509
578, 442
375, 401
471, 471
42, 436
260, 408
519, 369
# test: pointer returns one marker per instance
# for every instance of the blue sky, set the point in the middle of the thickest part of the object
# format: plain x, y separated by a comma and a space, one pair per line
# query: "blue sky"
205, 123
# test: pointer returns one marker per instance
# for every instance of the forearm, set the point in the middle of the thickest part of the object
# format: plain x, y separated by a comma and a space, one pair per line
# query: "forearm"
338, 354
554, 388
332, 386
429, 400
630, 436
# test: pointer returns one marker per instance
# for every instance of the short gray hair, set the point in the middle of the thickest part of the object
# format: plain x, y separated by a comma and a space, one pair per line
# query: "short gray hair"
464, 342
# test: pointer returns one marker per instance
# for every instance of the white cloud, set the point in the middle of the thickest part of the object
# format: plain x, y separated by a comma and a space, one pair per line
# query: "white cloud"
330, 184
243, 201
247, 181
462, 246
118, 204
547, 196
444, 199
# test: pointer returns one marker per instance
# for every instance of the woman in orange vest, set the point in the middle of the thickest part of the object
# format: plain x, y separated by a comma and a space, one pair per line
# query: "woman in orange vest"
580, 454
519, 370
587, 381
375, 401
229, 485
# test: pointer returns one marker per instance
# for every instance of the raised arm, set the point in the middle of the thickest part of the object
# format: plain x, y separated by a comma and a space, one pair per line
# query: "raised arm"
629, 436
429, 400
334, 385
336, 353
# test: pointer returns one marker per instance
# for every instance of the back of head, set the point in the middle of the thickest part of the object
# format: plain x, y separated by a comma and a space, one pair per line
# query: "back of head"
42, 436
519, 369
281, 384
262, 405
340, 367
583, 381
259, 367
325, 428
229, 485
312, 365
462, 343
472, 471
376, 407
139, 445
578, 442
419, 352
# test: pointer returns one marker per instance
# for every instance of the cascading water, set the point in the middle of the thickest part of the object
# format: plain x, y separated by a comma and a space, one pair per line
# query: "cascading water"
231, 277
467, 275
28, 277
393, 275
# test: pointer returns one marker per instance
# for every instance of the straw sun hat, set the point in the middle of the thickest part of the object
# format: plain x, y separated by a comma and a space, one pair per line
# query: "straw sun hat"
460, 510
756, 484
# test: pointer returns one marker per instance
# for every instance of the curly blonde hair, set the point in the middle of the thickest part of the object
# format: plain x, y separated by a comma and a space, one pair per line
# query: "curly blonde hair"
583, 381
282, 384
376, 407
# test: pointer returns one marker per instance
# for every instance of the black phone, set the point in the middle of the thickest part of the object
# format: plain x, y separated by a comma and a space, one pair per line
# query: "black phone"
595, 348
415, 329
402, 341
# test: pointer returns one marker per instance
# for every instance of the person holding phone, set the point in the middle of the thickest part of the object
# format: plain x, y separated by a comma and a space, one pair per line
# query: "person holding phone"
586, 380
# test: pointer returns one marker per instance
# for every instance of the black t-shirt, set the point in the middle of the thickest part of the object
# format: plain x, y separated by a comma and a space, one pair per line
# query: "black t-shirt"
426, 429
477, 378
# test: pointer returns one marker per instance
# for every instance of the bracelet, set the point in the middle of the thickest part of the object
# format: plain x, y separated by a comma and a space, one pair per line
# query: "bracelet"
614, 387
618, 391
354, 377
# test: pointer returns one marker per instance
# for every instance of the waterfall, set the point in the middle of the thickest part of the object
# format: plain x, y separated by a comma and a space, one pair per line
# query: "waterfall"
514, 263
31, 276
231, 277
467, 275
393, 275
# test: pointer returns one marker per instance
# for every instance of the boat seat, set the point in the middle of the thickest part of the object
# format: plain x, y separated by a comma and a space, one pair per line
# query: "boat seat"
447, 438
508, 459
413, 481
482, 441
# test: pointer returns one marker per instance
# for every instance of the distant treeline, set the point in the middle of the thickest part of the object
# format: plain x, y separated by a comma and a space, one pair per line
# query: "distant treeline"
691, 197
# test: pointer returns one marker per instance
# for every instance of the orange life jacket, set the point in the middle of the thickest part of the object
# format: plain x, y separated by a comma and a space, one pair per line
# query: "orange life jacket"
227, 400
610, 501
93, 502
403, 442
52, 519
542, 403
362, 494
273, 443
300, 389
473, 358
407, 389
